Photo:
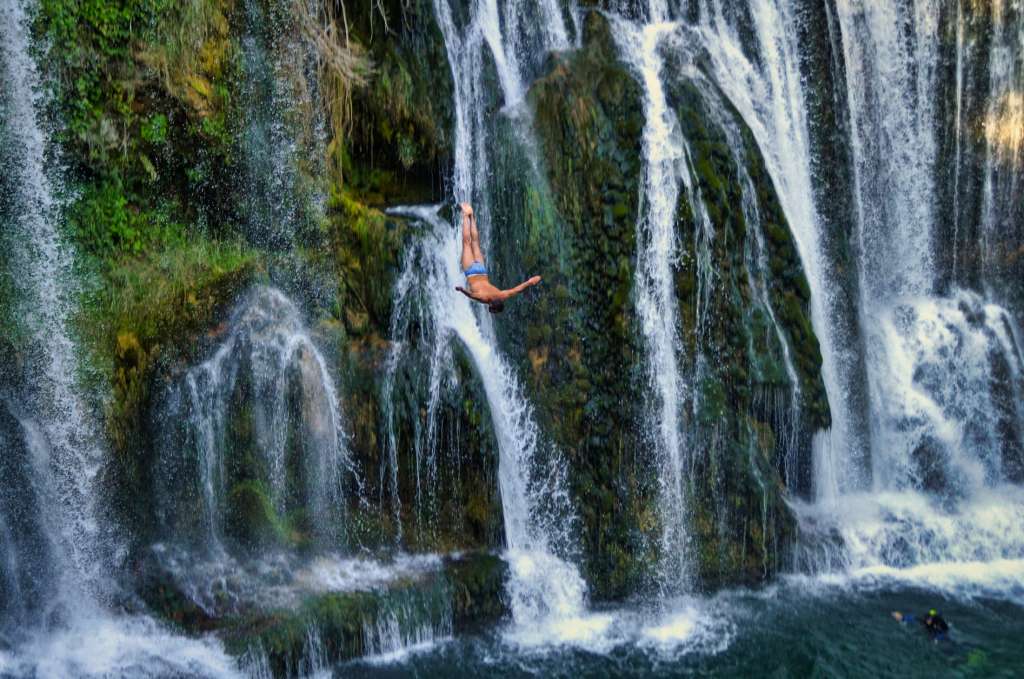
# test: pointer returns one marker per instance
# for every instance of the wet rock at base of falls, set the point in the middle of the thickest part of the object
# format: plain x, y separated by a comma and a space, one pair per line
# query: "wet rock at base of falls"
351, 607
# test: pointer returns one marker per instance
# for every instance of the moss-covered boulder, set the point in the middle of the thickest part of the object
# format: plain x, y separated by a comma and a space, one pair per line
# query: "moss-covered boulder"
457, 594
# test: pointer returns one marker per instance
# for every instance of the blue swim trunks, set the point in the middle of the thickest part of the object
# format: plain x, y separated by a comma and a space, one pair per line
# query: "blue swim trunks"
476, 269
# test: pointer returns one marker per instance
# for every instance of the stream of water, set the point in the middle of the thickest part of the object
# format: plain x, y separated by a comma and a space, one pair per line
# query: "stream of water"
915, 500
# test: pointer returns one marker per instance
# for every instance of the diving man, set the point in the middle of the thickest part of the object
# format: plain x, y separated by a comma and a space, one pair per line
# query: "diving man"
480, 288
933, 623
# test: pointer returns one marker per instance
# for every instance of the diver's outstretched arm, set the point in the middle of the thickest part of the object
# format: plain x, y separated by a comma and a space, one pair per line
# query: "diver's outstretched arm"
512, 292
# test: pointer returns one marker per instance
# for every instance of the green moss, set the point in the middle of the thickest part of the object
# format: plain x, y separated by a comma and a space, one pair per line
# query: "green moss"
107, 57
252, 520
105, 225
401, 136
588, 120
364, 247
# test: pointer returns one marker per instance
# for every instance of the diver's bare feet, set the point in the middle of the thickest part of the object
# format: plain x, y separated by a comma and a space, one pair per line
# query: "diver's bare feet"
467, 209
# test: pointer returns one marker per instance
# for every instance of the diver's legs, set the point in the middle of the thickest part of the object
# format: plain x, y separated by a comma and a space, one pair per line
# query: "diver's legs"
467, 244
477, 252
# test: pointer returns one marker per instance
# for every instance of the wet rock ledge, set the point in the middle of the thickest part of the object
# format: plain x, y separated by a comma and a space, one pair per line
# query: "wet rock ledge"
286, 617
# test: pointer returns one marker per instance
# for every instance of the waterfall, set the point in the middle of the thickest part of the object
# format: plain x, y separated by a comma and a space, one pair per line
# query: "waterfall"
1003, 188
664, 168
536, 509
785, 417
770, 96
890, 52
278, 70
56, 556
943, 370
517, 56
265, 392
58, 425
667, 161
940, 419
32, 561
407, 623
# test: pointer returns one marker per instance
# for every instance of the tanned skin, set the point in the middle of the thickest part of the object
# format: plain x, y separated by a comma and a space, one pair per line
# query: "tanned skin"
480, 288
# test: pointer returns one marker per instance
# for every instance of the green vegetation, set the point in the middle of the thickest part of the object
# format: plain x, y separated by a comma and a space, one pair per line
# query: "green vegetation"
151, 102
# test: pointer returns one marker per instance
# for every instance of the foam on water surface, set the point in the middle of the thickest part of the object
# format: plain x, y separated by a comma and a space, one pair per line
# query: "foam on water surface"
680, 626
126, 647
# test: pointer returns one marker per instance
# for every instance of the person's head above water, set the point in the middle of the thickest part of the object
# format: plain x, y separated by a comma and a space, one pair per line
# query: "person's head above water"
496, 307
933, 612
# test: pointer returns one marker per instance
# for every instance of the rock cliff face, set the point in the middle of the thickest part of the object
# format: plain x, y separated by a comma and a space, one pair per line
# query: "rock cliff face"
156, 103
581, 345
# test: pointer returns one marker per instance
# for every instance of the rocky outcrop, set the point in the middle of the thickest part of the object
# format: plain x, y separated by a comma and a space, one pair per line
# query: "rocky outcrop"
160, 221
278, 610
579, 340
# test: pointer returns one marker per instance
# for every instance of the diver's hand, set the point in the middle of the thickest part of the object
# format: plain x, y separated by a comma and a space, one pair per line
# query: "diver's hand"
465, 292
533, 280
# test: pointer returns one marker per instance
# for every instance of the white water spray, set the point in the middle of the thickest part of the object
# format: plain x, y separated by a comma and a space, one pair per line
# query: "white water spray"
536, 508
658, 253
269, 353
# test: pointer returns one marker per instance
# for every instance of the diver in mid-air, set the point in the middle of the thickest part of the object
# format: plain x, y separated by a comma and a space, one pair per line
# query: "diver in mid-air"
933, 623
480, 288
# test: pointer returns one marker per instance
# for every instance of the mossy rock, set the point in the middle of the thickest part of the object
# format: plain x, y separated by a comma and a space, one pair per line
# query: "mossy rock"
252, 520
466, 593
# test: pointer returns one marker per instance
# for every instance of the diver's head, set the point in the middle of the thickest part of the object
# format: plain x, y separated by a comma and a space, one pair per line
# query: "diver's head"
496, 307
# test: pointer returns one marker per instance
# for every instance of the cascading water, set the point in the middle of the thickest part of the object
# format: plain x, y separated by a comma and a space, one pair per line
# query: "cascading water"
1002, 214
665, 166
943, 371
54, 623
542, 584
407, 623
67, 456
518, 46
668, 168
268, 383
536, 509
942, 414
770, 96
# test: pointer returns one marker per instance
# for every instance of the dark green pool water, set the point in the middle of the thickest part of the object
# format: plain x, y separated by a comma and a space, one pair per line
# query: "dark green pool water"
797, 629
